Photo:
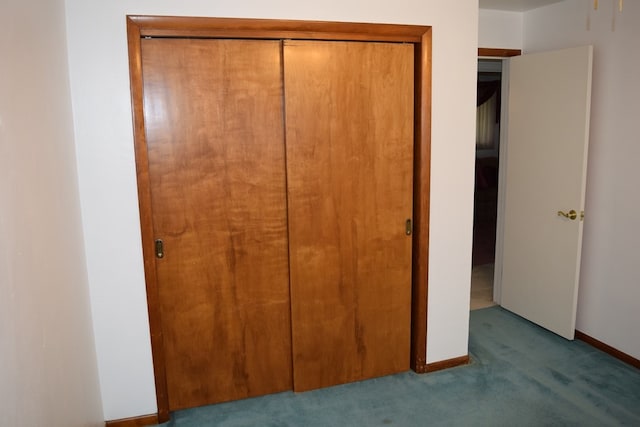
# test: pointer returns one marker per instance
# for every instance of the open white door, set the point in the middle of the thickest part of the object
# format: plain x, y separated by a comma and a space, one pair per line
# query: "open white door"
546, 161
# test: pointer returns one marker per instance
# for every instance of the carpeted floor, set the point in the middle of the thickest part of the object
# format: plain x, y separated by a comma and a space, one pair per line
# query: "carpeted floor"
520, 375
482, 286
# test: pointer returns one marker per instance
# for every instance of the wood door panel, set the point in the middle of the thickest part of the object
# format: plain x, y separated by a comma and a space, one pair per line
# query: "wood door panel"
213, 123
349, 138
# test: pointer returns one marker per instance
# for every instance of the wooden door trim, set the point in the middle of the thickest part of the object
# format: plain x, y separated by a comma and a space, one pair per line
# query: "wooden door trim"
174, 26
146, 220
498, 52
421, 202
420, 36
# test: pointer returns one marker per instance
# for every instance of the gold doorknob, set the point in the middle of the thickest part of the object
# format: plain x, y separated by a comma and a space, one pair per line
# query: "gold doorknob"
571, 215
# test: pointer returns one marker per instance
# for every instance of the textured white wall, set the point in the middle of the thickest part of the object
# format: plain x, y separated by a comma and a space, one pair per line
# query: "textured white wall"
500, 29
102, 115
610, 278
48, 371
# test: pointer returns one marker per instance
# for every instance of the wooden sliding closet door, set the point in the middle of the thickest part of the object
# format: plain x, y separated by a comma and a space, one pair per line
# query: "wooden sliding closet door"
349, 137
214, 130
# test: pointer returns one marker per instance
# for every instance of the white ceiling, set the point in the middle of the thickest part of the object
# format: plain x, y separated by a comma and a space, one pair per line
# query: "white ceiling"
515, 5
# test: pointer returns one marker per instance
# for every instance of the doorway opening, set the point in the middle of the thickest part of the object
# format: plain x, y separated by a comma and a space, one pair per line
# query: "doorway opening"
487, 163
538, 244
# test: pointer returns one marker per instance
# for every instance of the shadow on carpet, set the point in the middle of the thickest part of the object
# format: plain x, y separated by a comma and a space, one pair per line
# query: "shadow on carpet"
520, 375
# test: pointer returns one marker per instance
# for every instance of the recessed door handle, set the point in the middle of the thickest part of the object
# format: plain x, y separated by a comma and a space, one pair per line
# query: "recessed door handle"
159, 244
571, 215
408, 227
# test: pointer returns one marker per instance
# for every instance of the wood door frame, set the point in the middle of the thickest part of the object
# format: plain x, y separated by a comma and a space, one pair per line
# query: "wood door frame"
502, 55
498, 52
419, 36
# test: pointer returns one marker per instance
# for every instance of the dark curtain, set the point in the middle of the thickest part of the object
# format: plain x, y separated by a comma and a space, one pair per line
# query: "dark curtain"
486, 90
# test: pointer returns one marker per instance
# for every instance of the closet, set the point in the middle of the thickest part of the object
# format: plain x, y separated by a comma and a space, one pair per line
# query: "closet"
276, 178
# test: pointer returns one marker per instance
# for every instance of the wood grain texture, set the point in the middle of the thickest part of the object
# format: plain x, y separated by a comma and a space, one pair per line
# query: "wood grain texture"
421, 203
140, 26
502, 53
173, 26
146, 220
213, 116
349, 136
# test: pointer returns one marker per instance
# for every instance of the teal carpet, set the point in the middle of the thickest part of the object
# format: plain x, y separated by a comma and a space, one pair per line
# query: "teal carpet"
520, 375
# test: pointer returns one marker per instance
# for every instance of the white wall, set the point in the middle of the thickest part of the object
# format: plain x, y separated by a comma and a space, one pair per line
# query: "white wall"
610, 278
500, 29
48, 372
101, 100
